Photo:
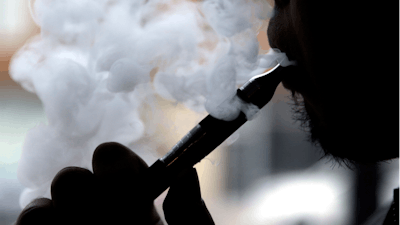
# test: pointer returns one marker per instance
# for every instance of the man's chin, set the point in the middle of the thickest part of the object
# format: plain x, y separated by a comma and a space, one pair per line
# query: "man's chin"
343, 148
337, 144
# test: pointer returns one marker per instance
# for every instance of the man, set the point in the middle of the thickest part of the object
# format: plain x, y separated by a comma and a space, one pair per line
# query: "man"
344, 97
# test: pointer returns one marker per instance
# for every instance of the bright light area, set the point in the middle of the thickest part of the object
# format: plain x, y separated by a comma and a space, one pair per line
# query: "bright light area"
19, 113
15, 15
304, 197
293, 197
16, 25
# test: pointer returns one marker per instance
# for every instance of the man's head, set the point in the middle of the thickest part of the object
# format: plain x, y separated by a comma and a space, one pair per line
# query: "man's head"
347, 96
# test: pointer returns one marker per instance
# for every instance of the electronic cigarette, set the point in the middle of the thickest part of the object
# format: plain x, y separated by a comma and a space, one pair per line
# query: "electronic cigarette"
210, 133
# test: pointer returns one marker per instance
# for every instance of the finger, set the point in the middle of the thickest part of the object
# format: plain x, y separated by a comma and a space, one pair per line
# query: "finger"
74, 195
118, 169
39, 211
183, 204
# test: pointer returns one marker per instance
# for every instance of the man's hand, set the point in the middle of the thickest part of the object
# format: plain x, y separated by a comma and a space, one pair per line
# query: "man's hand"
110, 196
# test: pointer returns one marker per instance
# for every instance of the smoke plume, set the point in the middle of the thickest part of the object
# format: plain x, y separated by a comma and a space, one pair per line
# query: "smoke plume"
97, 62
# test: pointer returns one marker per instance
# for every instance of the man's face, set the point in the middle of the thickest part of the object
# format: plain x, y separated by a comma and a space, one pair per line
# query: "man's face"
326, 94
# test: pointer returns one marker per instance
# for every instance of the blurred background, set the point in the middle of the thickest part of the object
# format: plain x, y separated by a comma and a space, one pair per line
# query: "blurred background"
269, 175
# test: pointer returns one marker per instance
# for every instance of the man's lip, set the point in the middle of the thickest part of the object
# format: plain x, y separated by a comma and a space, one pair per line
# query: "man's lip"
274, 43
296, 81
288, 55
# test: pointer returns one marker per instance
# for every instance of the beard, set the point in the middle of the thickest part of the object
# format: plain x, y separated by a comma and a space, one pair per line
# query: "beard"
317, 133
337, 120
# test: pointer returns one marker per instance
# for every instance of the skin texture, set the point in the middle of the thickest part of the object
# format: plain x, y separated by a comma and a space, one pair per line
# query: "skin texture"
343, 97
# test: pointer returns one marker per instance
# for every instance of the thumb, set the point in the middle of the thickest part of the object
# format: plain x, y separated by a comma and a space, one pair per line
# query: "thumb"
183, 204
